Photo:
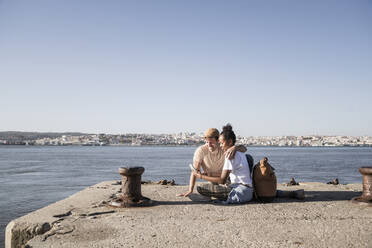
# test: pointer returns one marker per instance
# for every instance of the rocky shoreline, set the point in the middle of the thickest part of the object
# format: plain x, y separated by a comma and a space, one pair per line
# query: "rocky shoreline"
326, 218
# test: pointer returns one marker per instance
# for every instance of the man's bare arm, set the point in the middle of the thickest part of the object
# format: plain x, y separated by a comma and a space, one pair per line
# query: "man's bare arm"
241, 148
230, 153
197, 166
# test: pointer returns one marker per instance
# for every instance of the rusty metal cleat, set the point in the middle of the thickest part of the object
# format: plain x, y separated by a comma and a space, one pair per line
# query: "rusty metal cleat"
366, 197
131, 195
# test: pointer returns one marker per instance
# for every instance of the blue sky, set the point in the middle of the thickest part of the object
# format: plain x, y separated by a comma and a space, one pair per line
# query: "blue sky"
267, 67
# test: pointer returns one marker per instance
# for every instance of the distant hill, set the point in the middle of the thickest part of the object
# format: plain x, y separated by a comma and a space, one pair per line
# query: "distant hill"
19, 136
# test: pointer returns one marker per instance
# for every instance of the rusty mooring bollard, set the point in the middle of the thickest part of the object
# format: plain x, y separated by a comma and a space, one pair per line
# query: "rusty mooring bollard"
131, 189
366, 197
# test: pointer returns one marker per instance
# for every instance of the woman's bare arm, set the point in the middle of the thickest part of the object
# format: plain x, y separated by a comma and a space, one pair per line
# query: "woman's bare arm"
220, 180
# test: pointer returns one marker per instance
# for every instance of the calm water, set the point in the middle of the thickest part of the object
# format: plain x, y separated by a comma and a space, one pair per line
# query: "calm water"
33, 177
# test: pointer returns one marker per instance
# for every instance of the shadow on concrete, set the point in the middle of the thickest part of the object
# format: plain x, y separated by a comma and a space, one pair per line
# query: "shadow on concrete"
318, 196
174, 203
194, 197
310, 196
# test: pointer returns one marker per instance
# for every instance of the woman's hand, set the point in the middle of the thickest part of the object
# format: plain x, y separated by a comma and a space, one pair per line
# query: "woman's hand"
197, 174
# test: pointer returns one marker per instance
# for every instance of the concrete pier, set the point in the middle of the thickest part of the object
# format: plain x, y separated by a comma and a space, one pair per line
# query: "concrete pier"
326, 218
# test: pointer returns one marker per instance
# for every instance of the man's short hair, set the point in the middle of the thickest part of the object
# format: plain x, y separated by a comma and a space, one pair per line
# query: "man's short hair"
212, 133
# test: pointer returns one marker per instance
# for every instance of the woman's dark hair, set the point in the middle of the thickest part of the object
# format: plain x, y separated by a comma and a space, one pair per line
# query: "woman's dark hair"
228, 133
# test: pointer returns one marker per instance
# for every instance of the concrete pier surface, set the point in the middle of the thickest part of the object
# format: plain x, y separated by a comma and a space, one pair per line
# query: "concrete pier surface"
326, 218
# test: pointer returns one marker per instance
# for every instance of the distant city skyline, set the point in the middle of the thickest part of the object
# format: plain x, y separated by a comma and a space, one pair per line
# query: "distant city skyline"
67, 139
270, 68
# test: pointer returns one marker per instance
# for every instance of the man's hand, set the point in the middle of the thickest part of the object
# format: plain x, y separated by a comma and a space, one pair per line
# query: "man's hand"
186, 194
230, 153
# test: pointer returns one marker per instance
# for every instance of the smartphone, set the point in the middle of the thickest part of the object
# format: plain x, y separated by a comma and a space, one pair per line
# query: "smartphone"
192, 167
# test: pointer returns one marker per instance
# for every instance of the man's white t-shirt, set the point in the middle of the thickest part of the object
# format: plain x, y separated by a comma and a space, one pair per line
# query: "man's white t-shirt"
240, 172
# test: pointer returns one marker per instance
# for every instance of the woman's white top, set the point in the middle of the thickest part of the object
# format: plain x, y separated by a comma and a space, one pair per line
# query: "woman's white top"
240, 172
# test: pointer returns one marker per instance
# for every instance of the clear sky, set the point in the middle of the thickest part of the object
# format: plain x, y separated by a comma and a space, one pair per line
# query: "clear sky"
267, 67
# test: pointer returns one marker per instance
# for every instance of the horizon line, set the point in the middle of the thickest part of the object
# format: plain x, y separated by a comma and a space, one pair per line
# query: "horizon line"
94, 133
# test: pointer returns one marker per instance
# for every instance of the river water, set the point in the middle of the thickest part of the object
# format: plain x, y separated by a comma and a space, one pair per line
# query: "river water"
32, 177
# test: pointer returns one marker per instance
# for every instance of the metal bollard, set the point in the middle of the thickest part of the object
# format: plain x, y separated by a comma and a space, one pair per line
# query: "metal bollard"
131, 189
366, 197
